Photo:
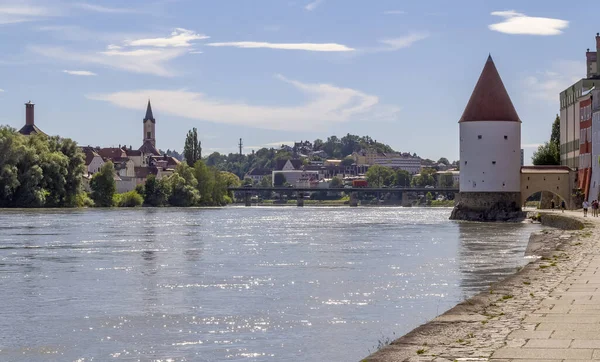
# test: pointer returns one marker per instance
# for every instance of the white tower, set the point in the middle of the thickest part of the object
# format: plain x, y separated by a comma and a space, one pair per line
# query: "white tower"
490, 152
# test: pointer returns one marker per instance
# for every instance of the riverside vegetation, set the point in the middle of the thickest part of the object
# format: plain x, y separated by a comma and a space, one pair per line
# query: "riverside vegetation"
43, 171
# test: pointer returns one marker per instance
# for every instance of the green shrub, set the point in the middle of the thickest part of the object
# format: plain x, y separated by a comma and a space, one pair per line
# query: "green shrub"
129, 199
84, 200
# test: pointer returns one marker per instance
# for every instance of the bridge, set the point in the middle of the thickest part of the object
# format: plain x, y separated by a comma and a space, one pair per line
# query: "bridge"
353, 191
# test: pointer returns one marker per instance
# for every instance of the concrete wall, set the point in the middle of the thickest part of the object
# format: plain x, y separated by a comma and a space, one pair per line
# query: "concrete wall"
490, 156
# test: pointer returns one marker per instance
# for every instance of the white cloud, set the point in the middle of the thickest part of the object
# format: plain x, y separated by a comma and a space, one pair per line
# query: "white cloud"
394, 12
314, 47
179, 38
517, 23
15, 12
80, 72
402, 42
195, 52
547, 85
313, 5
1, 90
103, 9
149, 61
327, 104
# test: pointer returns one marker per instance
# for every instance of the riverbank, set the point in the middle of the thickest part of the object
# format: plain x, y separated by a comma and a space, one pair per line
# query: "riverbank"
490, 325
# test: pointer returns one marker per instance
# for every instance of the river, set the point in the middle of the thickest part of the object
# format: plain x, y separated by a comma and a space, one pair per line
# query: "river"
236, 284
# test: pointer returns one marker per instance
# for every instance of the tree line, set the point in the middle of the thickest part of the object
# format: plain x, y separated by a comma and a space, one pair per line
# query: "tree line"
199, 185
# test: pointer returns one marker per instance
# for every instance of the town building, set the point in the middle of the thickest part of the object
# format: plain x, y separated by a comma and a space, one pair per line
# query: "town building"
439, 176
404, 162
257, 174
93, 160
570, 118
490, 159
30, 128
585, 143
594, 192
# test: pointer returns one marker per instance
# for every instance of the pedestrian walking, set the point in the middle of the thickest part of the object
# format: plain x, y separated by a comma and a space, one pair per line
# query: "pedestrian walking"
552, 204
563, 206
585, 205
595, 208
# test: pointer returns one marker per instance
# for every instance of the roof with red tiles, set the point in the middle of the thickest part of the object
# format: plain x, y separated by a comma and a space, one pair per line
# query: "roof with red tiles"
490, 100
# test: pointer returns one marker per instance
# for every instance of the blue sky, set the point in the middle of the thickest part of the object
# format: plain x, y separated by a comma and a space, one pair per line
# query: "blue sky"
276, 71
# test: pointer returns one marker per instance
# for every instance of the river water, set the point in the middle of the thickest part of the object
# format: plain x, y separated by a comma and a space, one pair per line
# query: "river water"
236, 284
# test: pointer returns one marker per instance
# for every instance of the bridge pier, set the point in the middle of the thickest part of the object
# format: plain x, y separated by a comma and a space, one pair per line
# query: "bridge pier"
405, 200
247, 199
353, 199
300, 199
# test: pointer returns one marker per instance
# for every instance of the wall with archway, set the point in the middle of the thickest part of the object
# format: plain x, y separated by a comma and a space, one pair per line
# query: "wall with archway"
559, 180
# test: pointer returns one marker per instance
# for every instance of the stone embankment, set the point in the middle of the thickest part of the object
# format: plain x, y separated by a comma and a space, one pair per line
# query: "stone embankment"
515, 319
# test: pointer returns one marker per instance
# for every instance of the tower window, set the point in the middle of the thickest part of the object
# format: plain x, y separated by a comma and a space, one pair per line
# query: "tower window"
479, 137
148, 134
493, 162
505, 137
465, 162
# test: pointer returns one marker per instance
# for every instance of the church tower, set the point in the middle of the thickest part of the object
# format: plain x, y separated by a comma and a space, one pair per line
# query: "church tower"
490, 153
149, 126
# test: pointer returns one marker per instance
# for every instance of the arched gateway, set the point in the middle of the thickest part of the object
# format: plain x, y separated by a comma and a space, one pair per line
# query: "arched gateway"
560, 180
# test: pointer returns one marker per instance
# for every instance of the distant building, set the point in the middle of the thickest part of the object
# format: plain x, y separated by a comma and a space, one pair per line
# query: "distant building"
585, 143
455, 177
594, 193
570, 117
404, 162
30, 128
93, 160
257, 174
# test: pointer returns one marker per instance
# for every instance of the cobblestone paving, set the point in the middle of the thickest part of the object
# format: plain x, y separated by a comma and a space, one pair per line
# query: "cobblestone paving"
550, 311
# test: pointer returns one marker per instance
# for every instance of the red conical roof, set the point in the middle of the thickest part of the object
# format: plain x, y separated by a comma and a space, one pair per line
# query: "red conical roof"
490, 101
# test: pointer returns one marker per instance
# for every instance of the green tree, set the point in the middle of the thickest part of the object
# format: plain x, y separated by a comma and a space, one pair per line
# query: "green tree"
446, 180
103, 185
266, 181
206, 182
555, 135
279, 179
336, 183
444, 161
547, 154
192, 150
378, 176
157, 192
248, 181
347, 161
129, 199
402, 178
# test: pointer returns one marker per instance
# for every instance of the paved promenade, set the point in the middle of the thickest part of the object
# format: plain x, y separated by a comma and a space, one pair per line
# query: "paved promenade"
566, 324
550, 311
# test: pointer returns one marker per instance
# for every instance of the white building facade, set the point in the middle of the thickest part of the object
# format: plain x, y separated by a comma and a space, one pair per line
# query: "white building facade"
490, 156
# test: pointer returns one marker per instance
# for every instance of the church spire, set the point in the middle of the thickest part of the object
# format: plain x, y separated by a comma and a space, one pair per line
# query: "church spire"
490, 100
149, 116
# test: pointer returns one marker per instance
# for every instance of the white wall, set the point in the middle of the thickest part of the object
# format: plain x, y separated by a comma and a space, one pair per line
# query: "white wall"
478, 172
95, 165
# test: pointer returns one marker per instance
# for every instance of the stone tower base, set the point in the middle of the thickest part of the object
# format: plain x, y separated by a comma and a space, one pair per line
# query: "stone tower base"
488, 206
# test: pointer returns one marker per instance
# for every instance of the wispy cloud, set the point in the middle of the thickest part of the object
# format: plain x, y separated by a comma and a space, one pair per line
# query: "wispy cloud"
518, 23
144, 55
103, 9
403, 41
179, 38
147, 61
313, 47
1, 90
12, 13
313, 5
85, 73
547, 85
394, 12
327, 104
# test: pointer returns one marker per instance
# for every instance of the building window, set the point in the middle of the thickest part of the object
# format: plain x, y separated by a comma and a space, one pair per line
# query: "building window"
505, 137
493, 162
465, 162
479, 137
148, 134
